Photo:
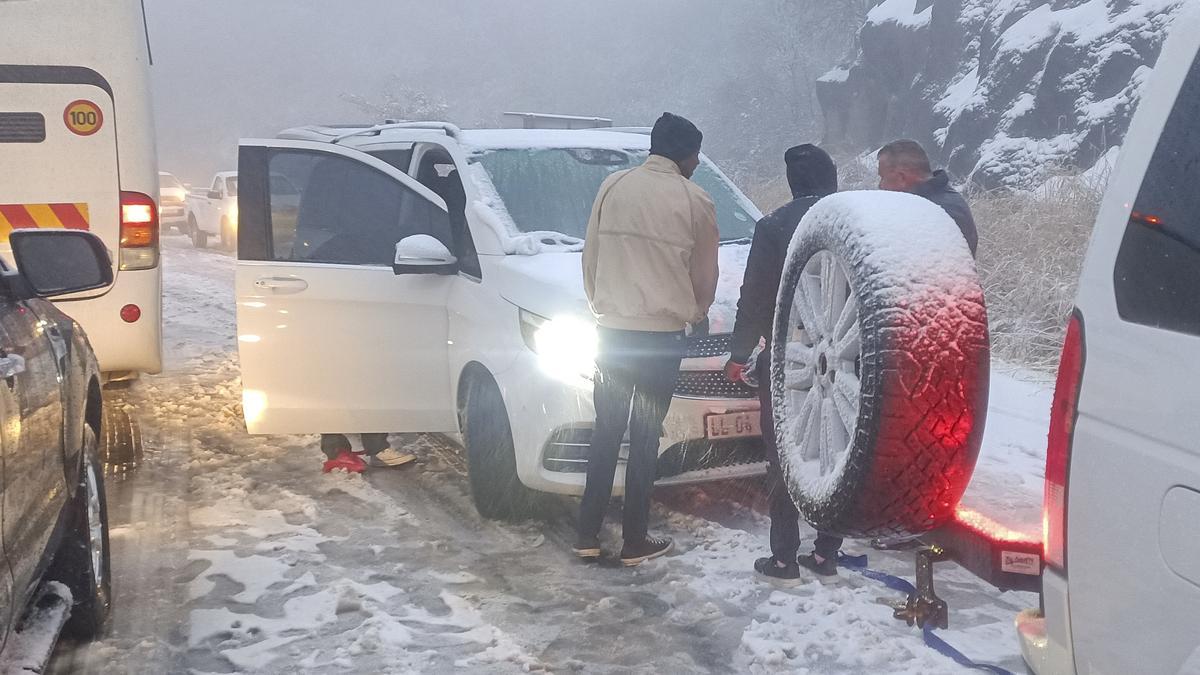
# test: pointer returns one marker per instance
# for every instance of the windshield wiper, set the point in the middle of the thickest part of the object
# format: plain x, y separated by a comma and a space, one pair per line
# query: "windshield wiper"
741, 240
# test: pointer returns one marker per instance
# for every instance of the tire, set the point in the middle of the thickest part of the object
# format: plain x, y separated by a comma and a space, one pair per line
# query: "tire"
121, 443
880, 408
199, 236
82, 561
496, 489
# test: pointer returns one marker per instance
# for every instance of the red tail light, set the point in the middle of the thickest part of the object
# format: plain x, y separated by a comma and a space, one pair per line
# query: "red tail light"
139, 232
1063, 414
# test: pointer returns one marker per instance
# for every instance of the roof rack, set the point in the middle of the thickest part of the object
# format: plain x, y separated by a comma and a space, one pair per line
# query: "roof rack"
645, 131
529, 120
449, 129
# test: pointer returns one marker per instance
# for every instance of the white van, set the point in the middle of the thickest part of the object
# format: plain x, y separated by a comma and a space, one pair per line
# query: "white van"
477, 322
77, 151
1121, 585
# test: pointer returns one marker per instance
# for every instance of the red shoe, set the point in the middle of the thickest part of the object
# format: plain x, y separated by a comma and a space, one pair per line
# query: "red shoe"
345, 461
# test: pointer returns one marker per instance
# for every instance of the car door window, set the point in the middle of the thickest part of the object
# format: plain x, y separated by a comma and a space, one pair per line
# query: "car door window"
217, 184
231, 186
326, 208
1157, 271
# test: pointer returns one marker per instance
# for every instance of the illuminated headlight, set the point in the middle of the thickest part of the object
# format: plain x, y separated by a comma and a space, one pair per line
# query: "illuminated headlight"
233, 214
566, 346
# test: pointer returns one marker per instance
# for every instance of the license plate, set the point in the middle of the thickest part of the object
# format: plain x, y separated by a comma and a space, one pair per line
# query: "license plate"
733, 425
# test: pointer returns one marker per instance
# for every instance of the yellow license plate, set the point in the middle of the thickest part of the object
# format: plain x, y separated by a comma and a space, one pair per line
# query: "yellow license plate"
733, 425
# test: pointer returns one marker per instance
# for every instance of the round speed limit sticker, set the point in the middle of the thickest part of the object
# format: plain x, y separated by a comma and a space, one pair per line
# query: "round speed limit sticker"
83, 117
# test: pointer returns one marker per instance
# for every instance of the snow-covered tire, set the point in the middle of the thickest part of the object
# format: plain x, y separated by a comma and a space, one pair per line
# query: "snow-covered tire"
199, 236
82, 560
900, 373
496, 489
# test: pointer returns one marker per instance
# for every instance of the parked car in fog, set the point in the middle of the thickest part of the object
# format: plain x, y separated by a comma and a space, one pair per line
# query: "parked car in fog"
172, 201
213, 212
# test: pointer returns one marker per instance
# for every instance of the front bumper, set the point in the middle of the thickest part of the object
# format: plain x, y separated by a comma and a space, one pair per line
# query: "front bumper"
1045, 634
552, 421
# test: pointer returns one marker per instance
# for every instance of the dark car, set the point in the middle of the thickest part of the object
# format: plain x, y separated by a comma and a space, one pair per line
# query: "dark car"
55, 526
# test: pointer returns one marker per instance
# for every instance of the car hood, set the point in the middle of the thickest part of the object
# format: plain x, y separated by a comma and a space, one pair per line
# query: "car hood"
551, 284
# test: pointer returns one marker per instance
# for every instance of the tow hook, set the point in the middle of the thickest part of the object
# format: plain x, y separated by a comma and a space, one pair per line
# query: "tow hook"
924, 607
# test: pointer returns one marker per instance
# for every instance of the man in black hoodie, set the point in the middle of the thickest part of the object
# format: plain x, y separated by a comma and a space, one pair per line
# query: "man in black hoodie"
811, 175
904, 167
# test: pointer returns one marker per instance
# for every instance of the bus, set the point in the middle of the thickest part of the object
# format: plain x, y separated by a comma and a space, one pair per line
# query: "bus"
77, 151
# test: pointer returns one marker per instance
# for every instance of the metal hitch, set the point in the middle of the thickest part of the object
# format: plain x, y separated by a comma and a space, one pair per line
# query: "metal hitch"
924, 607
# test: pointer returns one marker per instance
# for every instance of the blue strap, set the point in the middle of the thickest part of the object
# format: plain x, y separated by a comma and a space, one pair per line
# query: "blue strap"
858, 563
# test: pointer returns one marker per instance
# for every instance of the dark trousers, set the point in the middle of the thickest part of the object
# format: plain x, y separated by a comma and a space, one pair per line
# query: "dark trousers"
785, 517
635, 379
373, 444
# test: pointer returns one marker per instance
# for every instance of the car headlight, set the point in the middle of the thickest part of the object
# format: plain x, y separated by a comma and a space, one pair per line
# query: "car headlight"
566, 346
233, 214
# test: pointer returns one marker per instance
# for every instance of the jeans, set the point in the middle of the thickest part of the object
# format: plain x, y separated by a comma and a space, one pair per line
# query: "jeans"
635, 380
373, 444
785, 517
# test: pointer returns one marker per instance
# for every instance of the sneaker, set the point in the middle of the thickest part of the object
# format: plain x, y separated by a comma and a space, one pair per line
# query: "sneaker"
826, 570
390, 457
647, 549
345, 461
786, 575
587, 548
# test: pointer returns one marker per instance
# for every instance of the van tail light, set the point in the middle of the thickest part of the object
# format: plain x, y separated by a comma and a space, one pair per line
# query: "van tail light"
1063, 414
139, 232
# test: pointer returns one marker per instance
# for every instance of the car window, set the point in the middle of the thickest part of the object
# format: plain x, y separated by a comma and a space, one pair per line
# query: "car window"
231, 186
1157, 274
552, 190
216, 184
397, 158
332, 209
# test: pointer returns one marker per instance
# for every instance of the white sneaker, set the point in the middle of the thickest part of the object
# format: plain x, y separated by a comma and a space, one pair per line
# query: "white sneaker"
391, 457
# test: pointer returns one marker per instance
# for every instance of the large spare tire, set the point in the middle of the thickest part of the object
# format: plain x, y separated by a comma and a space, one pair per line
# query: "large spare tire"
879, 366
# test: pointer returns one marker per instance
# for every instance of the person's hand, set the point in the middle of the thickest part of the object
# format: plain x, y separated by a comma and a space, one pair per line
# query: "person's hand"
736, 372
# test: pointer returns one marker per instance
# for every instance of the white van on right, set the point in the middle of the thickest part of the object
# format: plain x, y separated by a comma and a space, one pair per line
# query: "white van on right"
1121, 585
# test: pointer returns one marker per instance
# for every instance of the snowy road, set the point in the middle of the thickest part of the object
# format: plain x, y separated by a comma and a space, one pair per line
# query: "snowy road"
234, 553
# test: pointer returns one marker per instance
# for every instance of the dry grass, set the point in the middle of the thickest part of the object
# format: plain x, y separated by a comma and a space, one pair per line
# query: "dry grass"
1031, 247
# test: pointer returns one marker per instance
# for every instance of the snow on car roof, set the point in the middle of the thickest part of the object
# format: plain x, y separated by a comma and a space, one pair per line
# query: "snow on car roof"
506, 139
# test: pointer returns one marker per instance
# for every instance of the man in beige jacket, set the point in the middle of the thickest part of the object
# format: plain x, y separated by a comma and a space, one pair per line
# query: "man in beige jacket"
649, 269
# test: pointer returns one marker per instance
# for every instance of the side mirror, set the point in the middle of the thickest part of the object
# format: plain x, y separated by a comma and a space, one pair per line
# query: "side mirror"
60, 262
214, 194
423, 254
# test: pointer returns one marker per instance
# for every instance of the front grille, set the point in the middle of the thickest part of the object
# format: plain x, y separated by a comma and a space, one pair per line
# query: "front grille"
568, 451
710, 384
708, 346
702, 455
22, 128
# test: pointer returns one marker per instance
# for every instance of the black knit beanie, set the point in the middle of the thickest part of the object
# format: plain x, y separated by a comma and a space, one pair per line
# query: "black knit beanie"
810, 171
675, 138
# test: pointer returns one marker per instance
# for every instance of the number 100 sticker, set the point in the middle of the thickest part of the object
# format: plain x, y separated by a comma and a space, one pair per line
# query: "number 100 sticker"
83, 117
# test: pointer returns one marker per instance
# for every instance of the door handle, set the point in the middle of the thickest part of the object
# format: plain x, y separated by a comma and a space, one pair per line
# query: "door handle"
281, 284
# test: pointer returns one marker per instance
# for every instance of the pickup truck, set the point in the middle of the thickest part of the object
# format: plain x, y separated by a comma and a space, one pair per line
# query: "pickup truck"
214, 212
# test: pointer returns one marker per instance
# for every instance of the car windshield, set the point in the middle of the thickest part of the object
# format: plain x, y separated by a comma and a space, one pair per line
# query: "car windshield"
552, 190
168, 181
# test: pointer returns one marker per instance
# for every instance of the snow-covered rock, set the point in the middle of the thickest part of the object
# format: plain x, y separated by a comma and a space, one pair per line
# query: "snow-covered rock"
1001, 91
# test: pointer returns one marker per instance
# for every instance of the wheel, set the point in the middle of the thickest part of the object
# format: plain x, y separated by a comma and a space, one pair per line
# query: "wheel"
121, 444
491, 460
879, 366
199, 238
82, 560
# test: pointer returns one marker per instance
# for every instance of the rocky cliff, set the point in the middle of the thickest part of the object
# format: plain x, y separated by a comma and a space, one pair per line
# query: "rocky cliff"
1000, 91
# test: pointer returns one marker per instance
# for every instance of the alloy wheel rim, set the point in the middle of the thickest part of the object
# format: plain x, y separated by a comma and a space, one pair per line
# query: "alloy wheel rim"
823, 363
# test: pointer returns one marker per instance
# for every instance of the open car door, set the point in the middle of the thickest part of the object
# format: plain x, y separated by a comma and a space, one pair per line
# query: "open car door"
333, 338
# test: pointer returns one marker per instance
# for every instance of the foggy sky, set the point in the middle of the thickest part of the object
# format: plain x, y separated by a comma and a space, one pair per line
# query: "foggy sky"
225, 69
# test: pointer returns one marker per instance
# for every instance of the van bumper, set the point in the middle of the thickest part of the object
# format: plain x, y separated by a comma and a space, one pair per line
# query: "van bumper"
1045, 634
121, 346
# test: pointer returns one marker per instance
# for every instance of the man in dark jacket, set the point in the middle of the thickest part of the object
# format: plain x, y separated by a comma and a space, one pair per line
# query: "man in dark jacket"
811, 175
904, 167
